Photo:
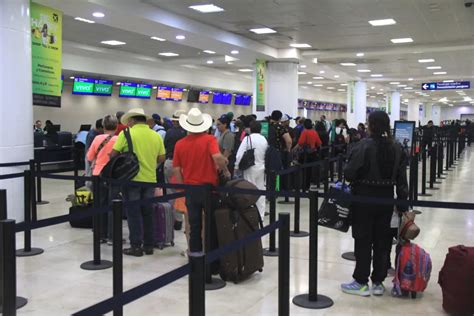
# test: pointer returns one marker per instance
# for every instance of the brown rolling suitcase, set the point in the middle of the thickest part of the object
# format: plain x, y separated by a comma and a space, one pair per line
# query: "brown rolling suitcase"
234, 225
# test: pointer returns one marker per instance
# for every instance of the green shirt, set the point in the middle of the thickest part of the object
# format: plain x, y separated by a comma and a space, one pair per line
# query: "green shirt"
147, 145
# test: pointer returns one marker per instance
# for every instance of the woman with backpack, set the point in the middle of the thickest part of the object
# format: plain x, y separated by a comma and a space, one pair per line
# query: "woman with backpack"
376, 164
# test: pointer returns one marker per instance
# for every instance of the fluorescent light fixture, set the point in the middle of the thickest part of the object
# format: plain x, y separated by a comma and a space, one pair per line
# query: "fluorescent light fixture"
209, 62
360, 54
211, 52
376, 75
402, 85
98, 14
206, 8
450, 105
372, 88
336, 76
330, 88
445, 99
434, 67
315, 60
245, 70
72, 77
168, 54
180, 37
402, 40
348, 64
84, 20
406, 100
363, 70
448, 81
159, 39
113, 43
230, 63
372, 96
408, 88
379, 93
303, 66
468, 99
321, 71
382, 22
234, 52
263, 30
300, 45
309, 82
394, 82
341, 90
428, 60
410, 79
301, 73
343, 84
439, 73
318, 85
318, 78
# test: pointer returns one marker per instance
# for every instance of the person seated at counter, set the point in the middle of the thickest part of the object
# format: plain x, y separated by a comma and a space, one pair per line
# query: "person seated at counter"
38, 127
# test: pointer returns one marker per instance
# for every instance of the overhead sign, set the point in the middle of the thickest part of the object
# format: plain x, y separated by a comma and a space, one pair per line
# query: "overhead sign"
457, 85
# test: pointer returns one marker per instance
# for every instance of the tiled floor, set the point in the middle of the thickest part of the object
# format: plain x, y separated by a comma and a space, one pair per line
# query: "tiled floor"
55, 285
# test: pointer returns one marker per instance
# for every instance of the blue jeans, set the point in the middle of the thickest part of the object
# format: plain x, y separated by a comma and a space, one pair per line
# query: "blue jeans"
140, 218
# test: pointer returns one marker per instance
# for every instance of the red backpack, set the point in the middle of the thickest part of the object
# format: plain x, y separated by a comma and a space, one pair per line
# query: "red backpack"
413, 271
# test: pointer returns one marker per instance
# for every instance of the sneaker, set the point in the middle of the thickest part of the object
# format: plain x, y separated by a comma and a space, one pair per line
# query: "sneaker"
356, 288
148, 251
378, 289
133, 251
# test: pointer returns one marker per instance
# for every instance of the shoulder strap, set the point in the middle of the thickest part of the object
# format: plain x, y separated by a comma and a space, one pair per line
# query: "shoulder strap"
102, 145
126, 132
249, 139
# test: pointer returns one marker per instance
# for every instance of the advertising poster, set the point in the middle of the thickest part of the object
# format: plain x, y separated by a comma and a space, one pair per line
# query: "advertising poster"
46, 51
260, 68
389, 104
404, 132
351, 88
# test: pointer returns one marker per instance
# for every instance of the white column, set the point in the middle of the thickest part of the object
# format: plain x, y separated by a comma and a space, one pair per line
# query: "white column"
16, 108
356, 103
393, 107
436, 114
414, 111
282, 88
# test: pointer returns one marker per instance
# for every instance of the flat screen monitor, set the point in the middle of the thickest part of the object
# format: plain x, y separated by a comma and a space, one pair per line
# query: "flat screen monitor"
404, 132
204, 97
222, 98
83, 86
85, 127
176, 94
163, 93
241, 99
128, 90
103, 87
193, 95
144, 91
54, 129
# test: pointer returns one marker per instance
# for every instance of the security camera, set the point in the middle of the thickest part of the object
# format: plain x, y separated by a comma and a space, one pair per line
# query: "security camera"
468, 3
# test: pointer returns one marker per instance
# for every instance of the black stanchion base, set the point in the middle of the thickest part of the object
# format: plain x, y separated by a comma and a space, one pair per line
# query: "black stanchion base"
302, 300
42, 202
286, 202
299, 234
20, 302
442, 178
433, 188
31, 253
417, 212
91, 266
424, 194
349, 256
215, 284
268, 253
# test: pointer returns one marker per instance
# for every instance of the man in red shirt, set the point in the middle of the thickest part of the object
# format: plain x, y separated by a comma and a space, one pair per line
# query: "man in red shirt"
120, 126
196, 160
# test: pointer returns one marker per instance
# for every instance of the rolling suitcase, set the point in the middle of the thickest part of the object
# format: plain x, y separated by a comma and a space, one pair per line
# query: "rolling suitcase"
234, 225
164, 225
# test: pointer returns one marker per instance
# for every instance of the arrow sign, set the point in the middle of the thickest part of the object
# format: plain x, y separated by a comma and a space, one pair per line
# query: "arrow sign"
425, 86
457, 85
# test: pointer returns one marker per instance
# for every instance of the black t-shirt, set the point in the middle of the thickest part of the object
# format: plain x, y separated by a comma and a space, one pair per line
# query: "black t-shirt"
173, 135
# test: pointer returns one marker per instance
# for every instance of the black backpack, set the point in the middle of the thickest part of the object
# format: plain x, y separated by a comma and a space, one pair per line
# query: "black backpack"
124, 166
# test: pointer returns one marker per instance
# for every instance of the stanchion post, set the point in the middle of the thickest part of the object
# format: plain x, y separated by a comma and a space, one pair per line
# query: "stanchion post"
97, 263
34, 211
423, 173
284, 265
326, 178
296, 223
117, 256
272, 251
39, 191
196, 292
313, 300
440, 159
447, 154
27, 251
3, 204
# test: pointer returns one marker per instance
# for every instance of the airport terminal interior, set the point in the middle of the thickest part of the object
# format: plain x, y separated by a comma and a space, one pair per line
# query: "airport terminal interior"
303, 102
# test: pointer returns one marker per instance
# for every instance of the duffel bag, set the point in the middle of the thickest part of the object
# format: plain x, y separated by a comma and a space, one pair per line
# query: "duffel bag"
237, 200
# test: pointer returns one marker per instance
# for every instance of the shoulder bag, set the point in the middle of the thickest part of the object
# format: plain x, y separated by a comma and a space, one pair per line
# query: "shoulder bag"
125, 166
248, 158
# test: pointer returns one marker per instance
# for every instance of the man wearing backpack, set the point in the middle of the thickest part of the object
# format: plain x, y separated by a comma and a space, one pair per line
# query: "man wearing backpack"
150, 151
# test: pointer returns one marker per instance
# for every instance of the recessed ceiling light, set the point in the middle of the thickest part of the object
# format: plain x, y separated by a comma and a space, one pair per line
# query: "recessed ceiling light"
72, 77
372, 88
84, 20
318, 78
98, 14
168, 54
402, 85
342, 90
230, 63
321, 71
315, 60
206, 8
318, 85
448, 81
408, 88
113, 43
379, 93
159, 39
234, 52
301, 73
363, 70
180, 37
402, 40
410, 79
118, 83
439, 73
263, 30
376, 75
394, 82
348, 64
381, 89
468, 99
245, 70
301, 45
330, 88
372, 96
309, 82
343, 84
406, 100
209, 52
382, 22
336, 76
155, 87
360, 54
428, 60
434, 67
209, 62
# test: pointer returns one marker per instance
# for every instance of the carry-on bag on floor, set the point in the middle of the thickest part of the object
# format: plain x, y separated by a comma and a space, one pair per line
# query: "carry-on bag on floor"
412, 272
81, 200
164, 225
456, 279
80, 223
234, 225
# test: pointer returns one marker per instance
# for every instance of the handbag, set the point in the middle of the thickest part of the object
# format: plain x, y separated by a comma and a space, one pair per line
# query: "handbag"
248, 158
125, 166
335, 213
408, 229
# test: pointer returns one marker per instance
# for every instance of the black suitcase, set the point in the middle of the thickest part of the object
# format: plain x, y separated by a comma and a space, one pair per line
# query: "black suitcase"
80, 223
234, 225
